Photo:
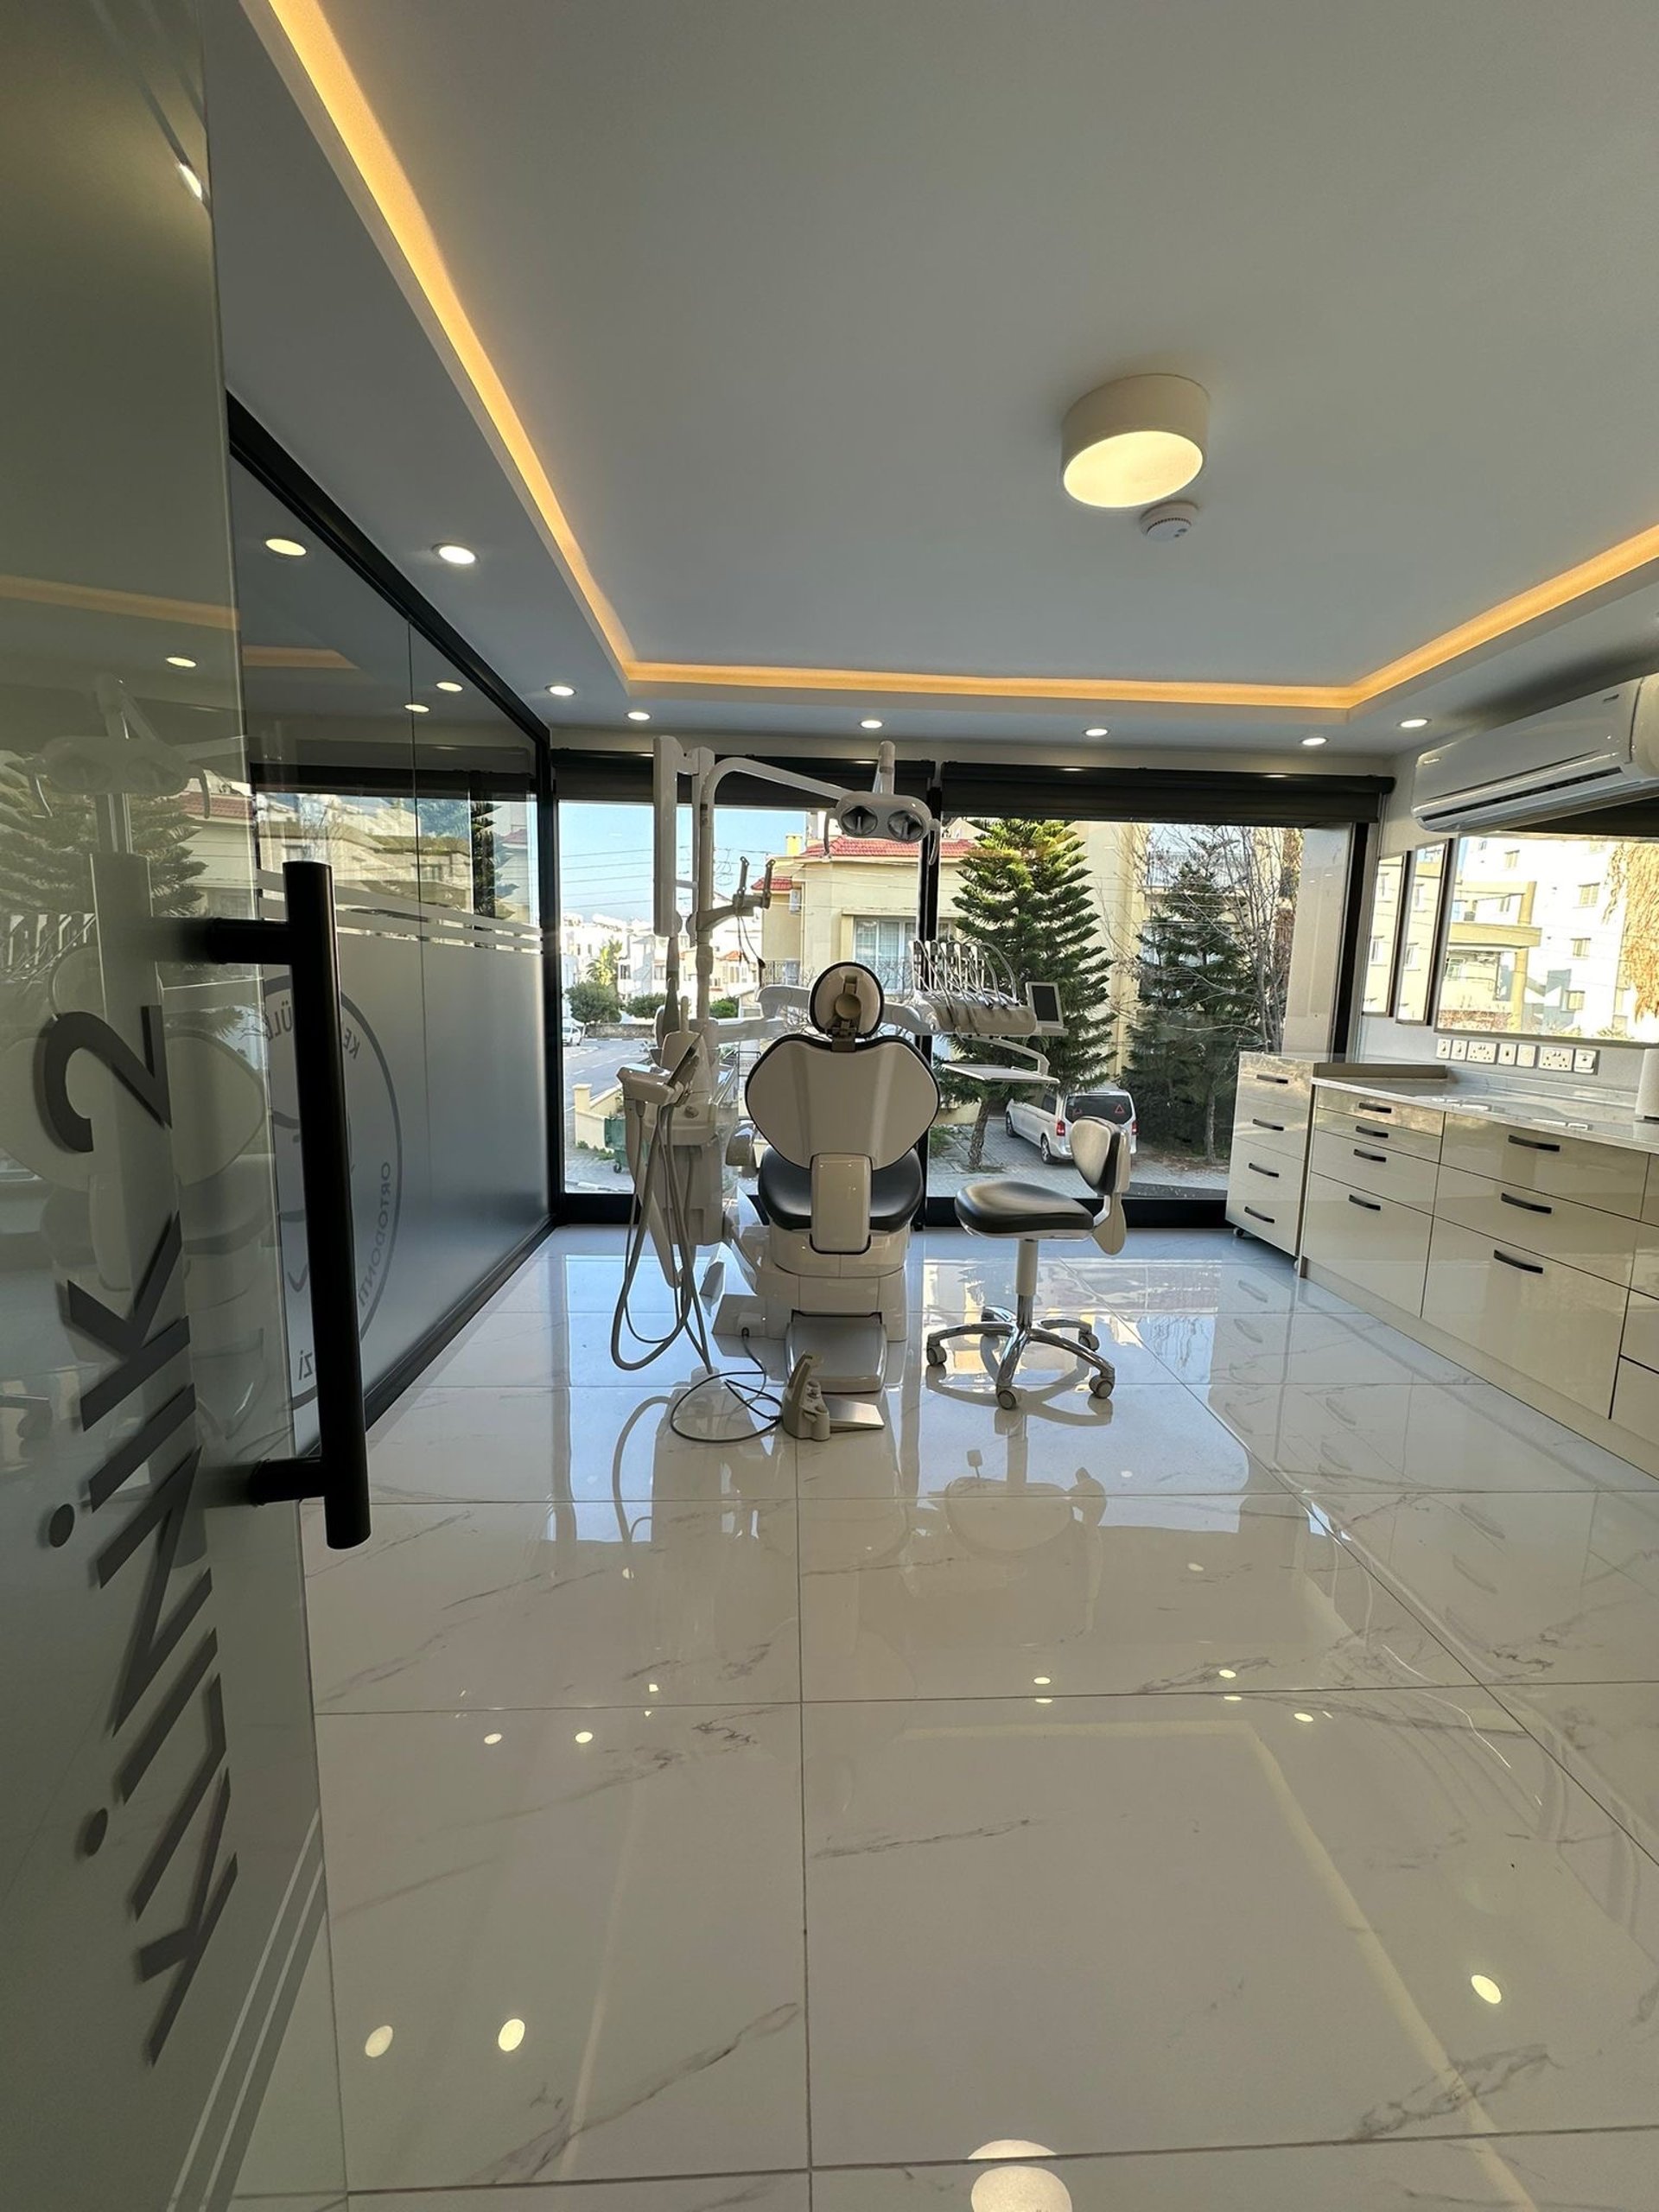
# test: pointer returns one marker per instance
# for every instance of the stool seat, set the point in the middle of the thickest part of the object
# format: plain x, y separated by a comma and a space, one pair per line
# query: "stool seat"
999, 1208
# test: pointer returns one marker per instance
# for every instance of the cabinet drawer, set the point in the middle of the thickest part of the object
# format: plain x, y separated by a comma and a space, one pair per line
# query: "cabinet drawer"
1276, 1092
1552, 1322
1635, 1401
1382, 1169
1376, 1243
1275, 1219
1266, 1128
1604, 1175
1394, 1122
1254, 1172
1581, 1236
1642, 1330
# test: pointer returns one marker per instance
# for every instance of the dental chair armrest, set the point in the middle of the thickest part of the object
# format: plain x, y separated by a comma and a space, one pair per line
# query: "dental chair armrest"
840, 1202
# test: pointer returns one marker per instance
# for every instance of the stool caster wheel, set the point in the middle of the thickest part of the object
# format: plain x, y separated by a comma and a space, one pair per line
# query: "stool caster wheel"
1008, 1402
935, 1354
1088, 1339
1101, 1386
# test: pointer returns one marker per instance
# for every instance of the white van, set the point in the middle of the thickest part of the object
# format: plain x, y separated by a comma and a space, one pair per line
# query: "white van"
1044, 1117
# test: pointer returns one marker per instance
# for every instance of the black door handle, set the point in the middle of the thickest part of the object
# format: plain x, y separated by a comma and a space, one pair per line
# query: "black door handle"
306, 943
1533, 1144
1527, 1267
1371, 1205
1527, 1206
1256, 1123
1380, 1158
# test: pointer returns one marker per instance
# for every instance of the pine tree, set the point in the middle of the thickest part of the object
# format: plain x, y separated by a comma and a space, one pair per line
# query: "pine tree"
1197, 1006
1024, 891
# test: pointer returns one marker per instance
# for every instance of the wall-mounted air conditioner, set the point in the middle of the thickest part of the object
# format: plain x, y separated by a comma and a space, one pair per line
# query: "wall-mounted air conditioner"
1601, 750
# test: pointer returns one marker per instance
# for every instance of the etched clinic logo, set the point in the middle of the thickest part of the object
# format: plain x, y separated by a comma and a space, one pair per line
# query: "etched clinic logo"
376, 1170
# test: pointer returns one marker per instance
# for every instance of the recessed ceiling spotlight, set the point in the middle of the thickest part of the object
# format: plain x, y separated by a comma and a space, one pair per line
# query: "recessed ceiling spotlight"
1415, 721
1071, 768
192, 183
458, 556
180, 660
414, 707
1099, 729
1312, 740
290, 547
1275, 775
869, 723
1131, 442
561, 690
638, 715
445, 684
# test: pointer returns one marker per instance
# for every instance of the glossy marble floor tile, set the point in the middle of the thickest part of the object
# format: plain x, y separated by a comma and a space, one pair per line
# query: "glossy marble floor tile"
511, 1347
486, 1606
1498, 2173
592, 1443
1301, 1346
584, 1939
1466, 1436
1143, 1438
1170, 1923
714, 2193
1607, 1735
977, 1591
1524, 1586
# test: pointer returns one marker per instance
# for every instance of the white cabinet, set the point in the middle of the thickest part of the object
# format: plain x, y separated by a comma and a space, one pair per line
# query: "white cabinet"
1550, 1321
1367, 1165
1270, 1125
1604, 1175
1374, 1242
1584, 1237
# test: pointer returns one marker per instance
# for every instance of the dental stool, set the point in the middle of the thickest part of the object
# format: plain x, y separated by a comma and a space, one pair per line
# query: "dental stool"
1032, 1212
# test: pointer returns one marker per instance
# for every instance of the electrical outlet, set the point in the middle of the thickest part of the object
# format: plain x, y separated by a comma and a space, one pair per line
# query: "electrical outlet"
1585, 1062
1557, 1058
1483, 1049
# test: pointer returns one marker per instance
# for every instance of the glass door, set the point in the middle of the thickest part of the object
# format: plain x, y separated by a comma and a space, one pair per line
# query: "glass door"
164, 2001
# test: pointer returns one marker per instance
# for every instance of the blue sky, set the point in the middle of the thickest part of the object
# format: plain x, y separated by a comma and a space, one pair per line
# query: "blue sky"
604, 852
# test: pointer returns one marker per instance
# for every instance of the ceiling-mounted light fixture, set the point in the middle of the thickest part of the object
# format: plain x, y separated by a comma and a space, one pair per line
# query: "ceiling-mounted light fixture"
458, 556
1312, 740
444, 684
416, 706
290, 547
1415, 721
869, 723
180, 660
1129, 443
638, 715
1097, 730
561, 690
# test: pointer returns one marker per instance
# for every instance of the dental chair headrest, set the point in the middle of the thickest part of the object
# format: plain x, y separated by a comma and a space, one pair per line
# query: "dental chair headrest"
847, 1003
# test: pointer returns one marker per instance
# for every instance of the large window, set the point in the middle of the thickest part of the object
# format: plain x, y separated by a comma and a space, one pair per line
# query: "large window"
1170, 944
1554, 937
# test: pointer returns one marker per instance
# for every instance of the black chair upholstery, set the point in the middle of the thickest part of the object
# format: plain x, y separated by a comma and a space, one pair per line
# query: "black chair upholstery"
783, 1192
1007, 1209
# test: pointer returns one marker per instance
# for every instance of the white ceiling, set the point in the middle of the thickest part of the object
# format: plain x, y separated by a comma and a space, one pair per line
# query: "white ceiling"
791, 299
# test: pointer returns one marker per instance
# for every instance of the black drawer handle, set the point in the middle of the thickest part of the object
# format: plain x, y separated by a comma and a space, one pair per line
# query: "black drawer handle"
1256, 1123
1256, 1214
1381, 1158
1527, 1206
1261, 1077
1374, 1106
1532, 1144
1360, 1130
1256, 1168
1371, 1205
1527, 1267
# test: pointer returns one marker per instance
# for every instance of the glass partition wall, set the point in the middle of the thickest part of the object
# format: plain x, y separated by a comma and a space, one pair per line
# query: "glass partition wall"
370, 751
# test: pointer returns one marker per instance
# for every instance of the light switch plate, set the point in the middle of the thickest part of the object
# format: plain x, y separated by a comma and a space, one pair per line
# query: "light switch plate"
1459, 1048
1506, 1055
1526, 1056
1556, 1058
1442, 1048
1585, 1063
1484, 1049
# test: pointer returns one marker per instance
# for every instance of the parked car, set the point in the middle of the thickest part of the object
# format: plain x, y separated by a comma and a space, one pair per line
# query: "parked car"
1044, 1117
573, 1031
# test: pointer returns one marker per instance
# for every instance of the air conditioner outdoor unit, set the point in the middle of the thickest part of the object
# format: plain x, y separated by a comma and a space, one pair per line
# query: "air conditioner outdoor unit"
1601, 750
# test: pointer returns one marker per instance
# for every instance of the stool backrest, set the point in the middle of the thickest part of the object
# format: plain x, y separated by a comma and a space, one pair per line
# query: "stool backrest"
1100, 1155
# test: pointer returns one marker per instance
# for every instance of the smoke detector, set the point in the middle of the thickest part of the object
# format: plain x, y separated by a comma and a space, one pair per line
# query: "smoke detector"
1173, 518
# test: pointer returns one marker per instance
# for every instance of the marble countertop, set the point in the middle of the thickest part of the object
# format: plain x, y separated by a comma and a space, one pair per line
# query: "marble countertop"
1610, 1124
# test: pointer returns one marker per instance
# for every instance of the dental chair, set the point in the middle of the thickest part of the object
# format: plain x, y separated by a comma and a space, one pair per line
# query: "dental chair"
1031, 1212
842, 1113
